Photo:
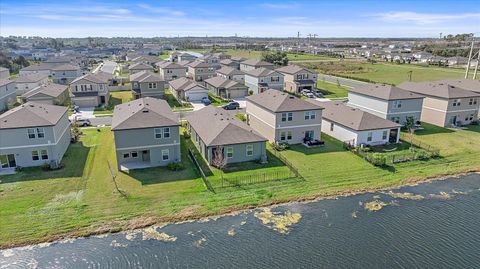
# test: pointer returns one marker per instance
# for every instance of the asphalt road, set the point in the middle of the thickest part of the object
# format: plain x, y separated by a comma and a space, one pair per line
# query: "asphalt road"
108, 66
343, 81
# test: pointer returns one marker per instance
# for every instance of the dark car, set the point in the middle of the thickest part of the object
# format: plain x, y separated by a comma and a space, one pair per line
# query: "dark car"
231, 106
206, 101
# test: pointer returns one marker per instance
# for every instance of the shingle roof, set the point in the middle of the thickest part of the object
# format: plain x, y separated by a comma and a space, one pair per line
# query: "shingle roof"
237, 59
143, 113
467, 84
277, 101
38, 67
31, 114
183, 84
225, 70
292, 69
437, 89
140, 66
385, 92
217, 127
5, 81
227, 61
196, 64
169, 65
99, 77
184, 63
145, 76
51, 89
32, 77
261, 72
65, 67
353, 118
256, 63
220, 82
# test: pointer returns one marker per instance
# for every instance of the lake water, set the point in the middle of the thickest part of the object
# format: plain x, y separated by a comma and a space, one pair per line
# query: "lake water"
436, 225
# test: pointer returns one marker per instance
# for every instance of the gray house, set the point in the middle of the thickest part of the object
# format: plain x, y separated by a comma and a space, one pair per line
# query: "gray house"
7, 93
139, 66
33, 134
65, 73
230, 63
200, 71
214, 131
261, 79
91, 90
226, 88
251, 64
169, 71
188, 90
231, 73
28, 82
147, 84
147, 134
386, 101
52, 94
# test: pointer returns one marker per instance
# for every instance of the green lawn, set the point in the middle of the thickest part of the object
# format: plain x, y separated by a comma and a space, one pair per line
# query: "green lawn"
116, 98
331, 90
175, 104
256, 54
216, 101
81, 198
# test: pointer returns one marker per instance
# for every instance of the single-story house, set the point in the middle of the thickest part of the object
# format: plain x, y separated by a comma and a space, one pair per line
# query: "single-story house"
226, 88
188, 90
51, 93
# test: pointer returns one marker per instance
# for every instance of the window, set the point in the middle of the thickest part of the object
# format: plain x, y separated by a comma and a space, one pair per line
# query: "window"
310, 115
369, 138
126, 155
31, 133
229, 152
396, 119
282, 136
275, 79
331, 126
249, 150
44, 154
289, 135
158, 133
456, 102
469, 118
134, 154
165, 154
35, 156
40, 133
152, 85
166, 132
472, 101
384, 135
287, 116
397, 104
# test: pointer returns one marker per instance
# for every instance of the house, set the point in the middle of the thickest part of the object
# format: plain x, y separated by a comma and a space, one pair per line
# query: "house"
282, 117
36, 68
174, 56
147, 59
185, 56
214, 131
231, 73
8, 94
188, 90
169, 71
386, 101
457, 60
91, 90
226, 88
261, 79
33, 134
147, 134
147, 84
65, 73
51, 94
27, 82
251, 64
445, 105
4, 73
212, 59
139, 66
230, 63
200, 71
356, 127
297, 78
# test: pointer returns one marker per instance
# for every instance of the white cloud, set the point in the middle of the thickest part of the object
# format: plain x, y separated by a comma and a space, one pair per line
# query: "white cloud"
423, 18
161, 10
280, 5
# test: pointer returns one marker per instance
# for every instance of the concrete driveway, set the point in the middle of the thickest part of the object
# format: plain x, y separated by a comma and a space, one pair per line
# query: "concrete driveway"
241, 101
197, 105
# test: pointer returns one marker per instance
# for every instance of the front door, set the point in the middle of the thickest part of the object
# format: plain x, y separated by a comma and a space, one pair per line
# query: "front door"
8, 161
146, 155
393, 136
309, 135
102, 99
453, 120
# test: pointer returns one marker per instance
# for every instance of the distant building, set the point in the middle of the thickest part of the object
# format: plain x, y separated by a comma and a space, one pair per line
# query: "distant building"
4, 73
251, 64
297, 78
261, 79
8, 94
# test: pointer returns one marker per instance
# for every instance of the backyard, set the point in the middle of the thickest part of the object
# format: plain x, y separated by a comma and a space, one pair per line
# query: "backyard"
116, 98
81, 198
332, 90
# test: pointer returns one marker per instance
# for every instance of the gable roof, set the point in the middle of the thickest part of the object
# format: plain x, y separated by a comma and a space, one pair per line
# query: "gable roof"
237, 59
184, 84
140, 66
5, 81
225, 70
199, 64
261, 72
51, 89
217, 127
184, 63
65, 67
277, 101
145, 76
145, 112
353, 118
32, 114
228, 62
256, 63
385, 92
467, 84
292, 69
437, 89
220, 82
170, 65
32, 77
99, 77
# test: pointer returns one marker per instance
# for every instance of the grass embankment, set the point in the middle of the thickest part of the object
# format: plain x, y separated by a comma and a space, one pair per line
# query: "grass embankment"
116, 98
257, 54
80, 199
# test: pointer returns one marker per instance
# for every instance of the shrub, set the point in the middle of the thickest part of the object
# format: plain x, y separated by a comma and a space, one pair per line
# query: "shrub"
186, 134
175, 166
378, 159
279, 146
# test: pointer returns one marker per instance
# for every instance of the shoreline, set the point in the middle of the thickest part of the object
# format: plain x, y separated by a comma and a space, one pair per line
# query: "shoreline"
141, 222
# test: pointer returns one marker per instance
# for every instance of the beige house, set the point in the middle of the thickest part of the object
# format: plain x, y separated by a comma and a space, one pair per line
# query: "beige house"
284, 118
297, 78
200, 71
467, 84
226, 88
51, 94
444, 104
231, 73
169, 71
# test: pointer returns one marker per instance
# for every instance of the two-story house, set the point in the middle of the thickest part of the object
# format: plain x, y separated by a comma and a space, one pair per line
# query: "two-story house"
388, 102
261, 79
215, 131
445, 105
65, 73
230, 63
169, 71
26, 83
284, 118
147, 134
50, 93
147, 84
8, 94
472, 85
200, 71
297, 78
231, 73
226, 88
91, 90
188, 90
185, 56
139, 66
251, 64
33, 134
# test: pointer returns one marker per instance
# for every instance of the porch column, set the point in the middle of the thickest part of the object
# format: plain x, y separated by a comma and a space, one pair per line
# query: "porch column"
398, 135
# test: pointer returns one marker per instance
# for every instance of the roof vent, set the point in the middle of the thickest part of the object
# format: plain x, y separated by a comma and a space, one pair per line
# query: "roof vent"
291, 97
145, 111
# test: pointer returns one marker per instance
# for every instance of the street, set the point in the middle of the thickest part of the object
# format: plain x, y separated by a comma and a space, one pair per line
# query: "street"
108, 66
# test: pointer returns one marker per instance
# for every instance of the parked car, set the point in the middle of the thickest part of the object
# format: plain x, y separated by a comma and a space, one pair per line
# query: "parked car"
76, 108
206, 101
309, 95
83, 122
305, 91
231, 106
317, 93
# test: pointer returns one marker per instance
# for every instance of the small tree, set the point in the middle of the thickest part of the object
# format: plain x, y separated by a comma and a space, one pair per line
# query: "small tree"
410, 125
75, 131
219, 159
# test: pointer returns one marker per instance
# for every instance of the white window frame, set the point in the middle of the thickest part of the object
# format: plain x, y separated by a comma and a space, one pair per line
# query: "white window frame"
166, 131
167, 151
31, 131
126, 155
289, 135
249, 148
283, 136
456, 102
37, 154
228, 152
46, 154
40, 131
385, 135
134, 152
369, 136
158, 133
310, 115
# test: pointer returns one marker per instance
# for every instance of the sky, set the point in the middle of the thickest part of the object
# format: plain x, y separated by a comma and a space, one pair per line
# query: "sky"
269, 18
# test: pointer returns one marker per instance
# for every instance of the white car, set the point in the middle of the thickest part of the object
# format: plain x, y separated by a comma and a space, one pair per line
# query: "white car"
83, 122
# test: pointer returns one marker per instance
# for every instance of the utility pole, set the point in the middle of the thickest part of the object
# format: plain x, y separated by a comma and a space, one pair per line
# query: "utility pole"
469, 58
476, 66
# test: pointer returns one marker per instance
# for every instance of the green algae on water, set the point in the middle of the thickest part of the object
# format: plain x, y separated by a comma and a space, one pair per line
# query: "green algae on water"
278, 222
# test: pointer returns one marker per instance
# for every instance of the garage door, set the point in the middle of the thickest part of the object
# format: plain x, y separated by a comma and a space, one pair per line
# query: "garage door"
196, 96
86, 102
238, 93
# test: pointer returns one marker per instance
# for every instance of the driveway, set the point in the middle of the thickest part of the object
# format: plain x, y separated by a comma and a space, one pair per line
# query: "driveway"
85, 112
197, 105
241, 101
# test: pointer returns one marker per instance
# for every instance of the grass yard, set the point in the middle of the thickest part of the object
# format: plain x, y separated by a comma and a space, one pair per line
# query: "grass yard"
37, 205
216, 101
331, 90
116, 98
175, 104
